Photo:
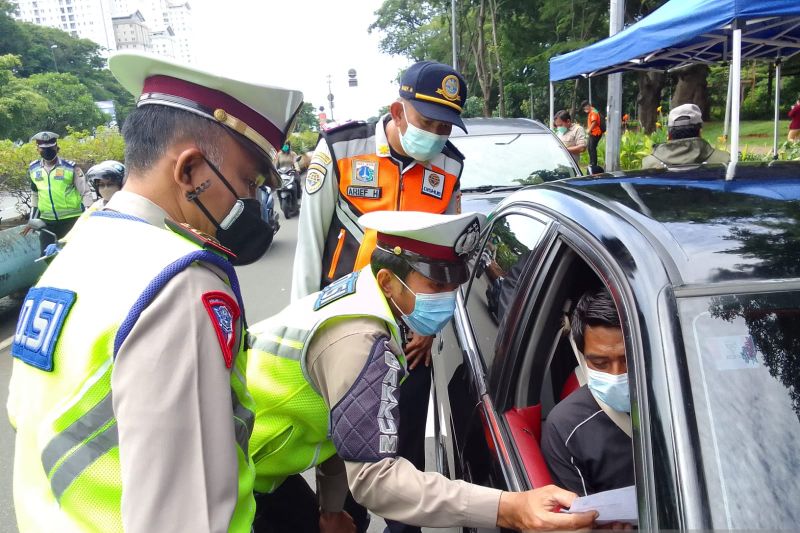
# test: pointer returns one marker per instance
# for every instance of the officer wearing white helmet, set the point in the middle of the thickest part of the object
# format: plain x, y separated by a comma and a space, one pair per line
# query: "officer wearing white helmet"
325, 375
129, 397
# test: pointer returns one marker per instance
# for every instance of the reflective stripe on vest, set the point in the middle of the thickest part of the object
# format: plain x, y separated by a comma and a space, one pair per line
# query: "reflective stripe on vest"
291, 433
58, 198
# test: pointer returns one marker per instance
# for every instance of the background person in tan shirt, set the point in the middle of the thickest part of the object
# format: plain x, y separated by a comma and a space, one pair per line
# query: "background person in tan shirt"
420, 258
571, 134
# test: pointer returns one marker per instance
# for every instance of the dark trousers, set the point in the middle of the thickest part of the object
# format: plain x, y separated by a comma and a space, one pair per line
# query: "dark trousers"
591, 146
293, 508
413, 412
59, 227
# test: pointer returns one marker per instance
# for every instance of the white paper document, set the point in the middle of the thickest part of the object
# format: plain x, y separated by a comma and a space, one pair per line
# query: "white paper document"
618, 505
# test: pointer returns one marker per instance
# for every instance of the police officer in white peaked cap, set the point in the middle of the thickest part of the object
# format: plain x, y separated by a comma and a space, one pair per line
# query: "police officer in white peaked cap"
128, 389
325, 376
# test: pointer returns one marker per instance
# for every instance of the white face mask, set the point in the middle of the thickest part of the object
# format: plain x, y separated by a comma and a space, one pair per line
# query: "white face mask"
420, 144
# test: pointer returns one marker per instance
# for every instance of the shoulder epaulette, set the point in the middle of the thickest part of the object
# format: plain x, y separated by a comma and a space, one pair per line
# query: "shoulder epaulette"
198, 237
338, 289
35, 163
68, 162
345, 127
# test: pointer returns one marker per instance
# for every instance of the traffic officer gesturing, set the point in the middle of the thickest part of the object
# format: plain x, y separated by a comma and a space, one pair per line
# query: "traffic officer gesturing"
59, 189
325, 374
128, 387
404, 163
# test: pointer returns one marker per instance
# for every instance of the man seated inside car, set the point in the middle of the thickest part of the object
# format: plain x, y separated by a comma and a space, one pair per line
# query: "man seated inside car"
586, 437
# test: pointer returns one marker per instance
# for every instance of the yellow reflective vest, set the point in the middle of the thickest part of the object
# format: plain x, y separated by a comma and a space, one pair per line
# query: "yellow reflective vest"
66, 465
292, 427
58, 197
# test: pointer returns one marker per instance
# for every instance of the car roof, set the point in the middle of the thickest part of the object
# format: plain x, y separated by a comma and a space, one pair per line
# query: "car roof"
499, 126
703, 228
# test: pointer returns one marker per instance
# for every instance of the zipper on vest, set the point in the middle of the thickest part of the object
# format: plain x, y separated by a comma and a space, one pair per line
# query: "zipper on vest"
50, 191
337, 253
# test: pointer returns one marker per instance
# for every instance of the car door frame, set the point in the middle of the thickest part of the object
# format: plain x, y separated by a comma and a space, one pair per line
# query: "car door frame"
602, 262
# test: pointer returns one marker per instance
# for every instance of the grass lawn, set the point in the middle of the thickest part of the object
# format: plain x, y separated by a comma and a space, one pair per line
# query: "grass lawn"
754, 135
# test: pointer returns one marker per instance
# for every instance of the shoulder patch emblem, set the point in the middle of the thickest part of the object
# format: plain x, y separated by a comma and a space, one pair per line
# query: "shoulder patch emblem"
40, 321
224, 313
337, 290
314, 180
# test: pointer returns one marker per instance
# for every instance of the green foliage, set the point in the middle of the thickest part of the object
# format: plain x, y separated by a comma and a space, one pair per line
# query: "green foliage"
634, 146
307, 119
81, 147
69, 103
81, 58
789, 151
303, 141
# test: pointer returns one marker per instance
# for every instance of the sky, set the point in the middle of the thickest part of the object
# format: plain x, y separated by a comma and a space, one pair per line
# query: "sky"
297, 44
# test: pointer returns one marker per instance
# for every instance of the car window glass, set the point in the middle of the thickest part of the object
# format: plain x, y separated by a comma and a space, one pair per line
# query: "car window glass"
497, 275
744, 367
512, 160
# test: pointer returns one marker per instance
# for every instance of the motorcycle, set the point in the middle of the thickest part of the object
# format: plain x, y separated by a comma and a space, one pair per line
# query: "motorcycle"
289, 192
50, 251
268, 212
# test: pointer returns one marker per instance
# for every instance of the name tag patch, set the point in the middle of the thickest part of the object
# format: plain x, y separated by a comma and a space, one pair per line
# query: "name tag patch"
364, 192
40, 321
433, 184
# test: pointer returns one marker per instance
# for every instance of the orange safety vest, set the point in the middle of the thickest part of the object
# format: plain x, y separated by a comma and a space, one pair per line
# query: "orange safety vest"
370, 179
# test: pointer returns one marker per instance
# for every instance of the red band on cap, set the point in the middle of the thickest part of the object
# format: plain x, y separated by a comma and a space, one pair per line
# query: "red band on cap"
214, 99
434, 251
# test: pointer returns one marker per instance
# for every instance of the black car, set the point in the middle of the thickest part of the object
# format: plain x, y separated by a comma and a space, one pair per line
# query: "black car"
705, 274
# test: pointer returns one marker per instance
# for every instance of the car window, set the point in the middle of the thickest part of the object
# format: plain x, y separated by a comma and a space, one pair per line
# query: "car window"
743, 354
512, 160
496, 276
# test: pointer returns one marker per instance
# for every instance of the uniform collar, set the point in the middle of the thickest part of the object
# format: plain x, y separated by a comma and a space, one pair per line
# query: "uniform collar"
130, 203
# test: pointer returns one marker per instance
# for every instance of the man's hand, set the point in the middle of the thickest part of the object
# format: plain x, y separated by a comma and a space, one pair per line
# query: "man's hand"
340, 522
33, 224
537, 510
418, 348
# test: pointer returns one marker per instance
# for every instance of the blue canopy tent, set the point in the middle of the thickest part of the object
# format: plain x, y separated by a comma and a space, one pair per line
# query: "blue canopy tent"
684, 32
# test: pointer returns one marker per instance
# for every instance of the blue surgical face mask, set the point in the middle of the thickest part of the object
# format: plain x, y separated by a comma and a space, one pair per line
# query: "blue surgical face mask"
431, 312
420, 144
610, 389
561, 130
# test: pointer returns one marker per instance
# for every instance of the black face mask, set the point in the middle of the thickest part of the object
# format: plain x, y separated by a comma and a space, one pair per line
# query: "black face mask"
48, 154
242, 231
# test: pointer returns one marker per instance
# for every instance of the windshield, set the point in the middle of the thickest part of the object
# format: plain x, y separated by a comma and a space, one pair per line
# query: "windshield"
512, 160
743, 353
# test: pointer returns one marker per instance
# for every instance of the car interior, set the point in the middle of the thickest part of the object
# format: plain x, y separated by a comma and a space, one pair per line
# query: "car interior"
546, 374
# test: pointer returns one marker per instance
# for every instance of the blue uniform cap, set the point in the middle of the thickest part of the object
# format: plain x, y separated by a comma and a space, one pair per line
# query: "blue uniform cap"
436, 91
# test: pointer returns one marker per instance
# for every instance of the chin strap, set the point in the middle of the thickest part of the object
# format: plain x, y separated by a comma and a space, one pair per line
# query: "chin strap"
620, 419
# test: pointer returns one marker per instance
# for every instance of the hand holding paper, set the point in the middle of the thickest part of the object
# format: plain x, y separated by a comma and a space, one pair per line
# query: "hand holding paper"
618, 505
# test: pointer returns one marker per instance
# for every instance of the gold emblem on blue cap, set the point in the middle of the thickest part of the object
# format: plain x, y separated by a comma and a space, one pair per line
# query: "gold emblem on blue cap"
450, 87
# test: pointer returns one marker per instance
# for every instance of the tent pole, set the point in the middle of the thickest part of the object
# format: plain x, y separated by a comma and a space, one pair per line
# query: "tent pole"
589, 79
736, 101
727, 125
777, 107
552, 105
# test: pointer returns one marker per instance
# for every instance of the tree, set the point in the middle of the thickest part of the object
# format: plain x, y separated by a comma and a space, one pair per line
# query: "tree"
70, 105
651, 83
20, 105
307, 118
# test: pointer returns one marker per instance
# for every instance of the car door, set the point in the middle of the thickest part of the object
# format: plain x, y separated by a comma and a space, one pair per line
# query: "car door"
470, 443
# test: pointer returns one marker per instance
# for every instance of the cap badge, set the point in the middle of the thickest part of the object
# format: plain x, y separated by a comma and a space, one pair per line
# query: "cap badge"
220, 115
397, 250
450, 88
468, 238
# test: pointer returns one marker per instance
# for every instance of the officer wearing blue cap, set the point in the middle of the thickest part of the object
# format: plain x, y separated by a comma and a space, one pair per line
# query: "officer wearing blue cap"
403, 162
